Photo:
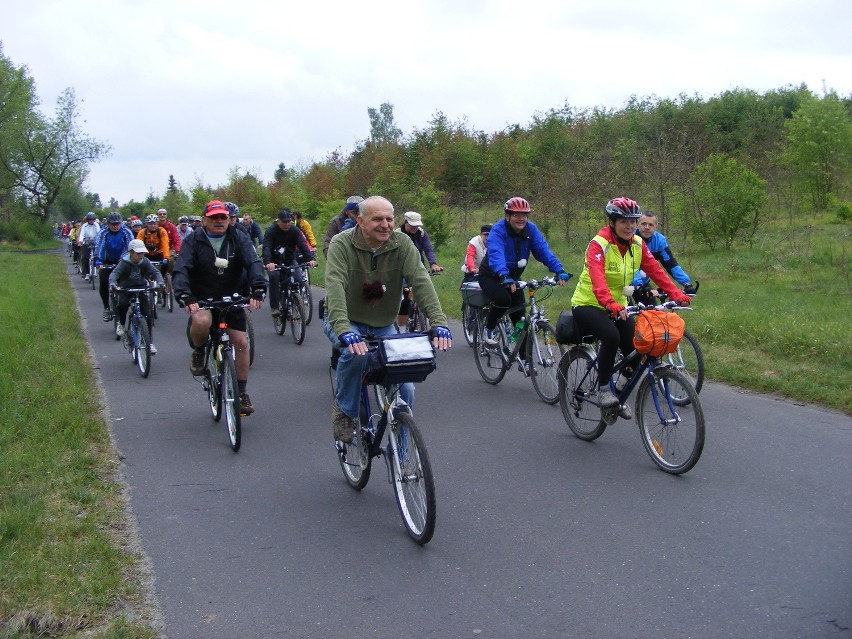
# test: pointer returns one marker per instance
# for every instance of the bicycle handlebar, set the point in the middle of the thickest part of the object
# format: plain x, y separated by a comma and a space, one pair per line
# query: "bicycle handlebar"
228, 301
665, 306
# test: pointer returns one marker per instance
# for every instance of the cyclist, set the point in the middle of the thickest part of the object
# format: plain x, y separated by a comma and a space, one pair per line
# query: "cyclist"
112, 243
211, 264
475, 252
305, 227
195, 220
346, 217
364, 275
184, 229
72, 238
282, 241
86, 237
613, 258
510, 242
253, 228
156, 240
659, 247
134, 270
412, 226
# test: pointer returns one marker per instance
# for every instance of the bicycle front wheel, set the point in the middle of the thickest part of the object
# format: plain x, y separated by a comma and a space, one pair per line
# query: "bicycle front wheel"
689, 360
170, 294
307, 302
231, 402
412, 479
214, 394
544, 361
296, 317
489, 360
578, 387
250, 336
673, 435
143, 347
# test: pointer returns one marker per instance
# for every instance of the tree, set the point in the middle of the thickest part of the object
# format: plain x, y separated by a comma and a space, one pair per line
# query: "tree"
282, 173
53, 154
725, 197
18, 102
383, 129
819, 137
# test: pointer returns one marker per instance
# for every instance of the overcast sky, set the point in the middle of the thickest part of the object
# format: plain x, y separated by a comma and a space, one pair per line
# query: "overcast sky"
194, 88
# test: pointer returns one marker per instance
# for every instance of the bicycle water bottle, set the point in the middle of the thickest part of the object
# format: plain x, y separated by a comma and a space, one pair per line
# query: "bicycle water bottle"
519, 326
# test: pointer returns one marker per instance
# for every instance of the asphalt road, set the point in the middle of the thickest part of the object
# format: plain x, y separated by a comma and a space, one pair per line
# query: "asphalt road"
538, 534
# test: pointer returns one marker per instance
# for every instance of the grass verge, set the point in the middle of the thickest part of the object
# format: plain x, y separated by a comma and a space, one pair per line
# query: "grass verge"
66, 569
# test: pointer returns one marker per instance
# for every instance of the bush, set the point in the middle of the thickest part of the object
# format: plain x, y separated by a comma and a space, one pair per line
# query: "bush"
25, 231
841, 209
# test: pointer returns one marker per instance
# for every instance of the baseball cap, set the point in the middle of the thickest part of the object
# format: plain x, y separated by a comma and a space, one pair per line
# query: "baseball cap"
413, 218
215, 207
284, 215
137, 246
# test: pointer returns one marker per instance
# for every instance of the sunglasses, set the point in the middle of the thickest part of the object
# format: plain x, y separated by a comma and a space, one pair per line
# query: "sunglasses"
217, 217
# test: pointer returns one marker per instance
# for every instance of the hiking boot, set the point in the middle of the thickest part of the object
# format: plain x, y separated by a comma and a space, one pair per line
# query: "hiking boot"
276, 312
119, 330
606, 399
107, 315
344, 426
245, 405
489, 336
624, 412
153, 349
196, 363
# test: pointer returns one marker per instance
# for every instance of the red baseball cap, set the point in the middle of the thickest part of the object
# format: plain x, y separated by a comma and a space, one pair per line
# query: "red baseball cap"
215, 207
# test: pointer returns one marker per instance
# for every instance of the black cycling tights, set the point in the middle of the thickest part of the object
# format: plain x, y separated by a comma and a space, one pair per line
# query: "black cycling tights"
592, 320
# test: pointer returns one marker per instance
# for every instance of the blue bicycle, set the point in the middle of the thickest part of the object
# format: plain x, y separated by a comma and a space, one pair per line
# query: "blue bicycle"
135, 335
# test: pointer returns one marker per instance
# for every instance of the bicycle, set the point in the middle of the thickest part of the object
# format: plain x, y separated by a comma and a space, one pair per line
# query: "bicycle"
291, 308
307, 295
473, 303
137, 337
668, 411
417, 320
220, 369
406, 459
542, 353
87, 263
93, 270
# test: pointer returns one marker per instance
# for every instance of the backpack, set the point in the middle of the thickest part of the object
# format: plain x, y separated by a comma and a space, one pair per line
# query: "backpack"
658, 333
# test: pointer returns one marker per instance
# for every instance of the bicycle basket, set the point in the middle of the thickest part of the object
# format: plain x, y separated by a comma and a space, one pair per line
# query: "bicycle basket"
472, 294
408, 357
658, 333
566, 331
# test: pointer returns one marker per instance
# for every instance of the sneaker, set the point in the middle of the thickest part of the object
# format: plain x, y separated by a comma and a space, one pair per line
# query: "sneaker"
606, 398
524, 367
624, 412
245, 405
196, 363
344, 426
107, 315
489, 336
276, 312
119, 330
86, 277
153, 349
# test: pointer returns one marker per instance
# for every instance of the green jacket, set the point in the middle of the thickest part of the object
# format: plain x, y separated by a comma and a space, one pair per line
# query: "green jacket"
351, 264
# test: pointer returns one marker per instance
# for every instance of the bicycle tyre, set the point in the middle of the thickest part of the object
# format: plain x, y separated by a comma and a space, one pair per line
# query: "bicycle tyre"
93, 274
421, 324
170, 294
467, 323
350, 456
231, 402
544, 357
143, 347
489, 361
296, 317
413, 484
307, 302
214, 394
250, 336
280, 321
688, 359
578, 384
673, 439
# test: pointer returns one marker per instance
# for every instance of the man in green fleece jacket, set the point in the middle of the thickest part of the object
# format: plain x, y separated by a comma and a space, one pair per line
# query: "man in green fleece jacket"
363, 280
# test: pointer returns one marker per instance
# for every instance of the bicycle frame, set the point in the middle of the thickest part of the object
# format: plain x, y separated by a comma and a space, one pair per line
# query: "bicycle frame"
532, 315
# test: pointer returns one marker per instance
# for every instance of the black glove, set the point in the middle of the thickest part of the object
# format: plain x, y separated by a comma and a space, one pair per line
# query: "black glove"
258, 294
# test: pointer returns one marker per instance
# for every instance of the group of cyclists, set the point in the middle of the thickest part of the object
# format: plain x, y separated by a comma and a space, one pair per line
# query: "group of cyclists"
371, 269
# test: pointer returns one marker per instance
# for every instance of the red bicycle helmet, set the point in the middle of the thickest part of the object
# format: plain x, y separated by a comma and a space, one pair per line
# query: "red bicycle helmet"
516, 205
622, 207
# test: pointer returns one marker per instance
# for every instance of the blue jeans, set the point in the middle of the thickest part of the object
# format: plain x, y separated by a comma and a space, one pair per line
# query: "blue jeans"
350, 369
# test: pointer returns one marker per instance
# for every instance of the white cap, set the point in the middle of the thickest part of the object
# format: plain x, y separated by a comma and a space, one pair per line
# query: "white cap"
137, 246
413, 218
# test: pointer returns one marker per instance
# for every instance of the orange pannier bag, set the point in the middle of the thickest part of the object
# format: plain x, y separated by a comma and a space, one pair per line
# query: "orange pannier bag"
658, 333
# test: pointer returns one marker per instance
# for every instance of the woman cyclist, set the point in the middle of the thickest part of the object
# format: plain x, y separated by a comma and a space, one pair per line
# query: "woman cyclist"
614, 256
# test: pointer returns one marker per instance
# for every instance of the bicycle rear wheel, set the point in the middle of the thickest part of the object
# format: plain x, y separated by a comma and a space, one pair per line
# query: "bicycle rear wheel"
211, 378
489, 359
689, 360
296, 317
412, 478
544, 361
578, 386
673, 435
143, 346
280, 320
231, 402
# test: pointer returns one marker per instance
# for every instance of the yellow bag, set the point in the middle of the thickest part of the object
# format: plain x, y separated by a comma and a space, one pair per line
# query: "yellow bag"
658, 333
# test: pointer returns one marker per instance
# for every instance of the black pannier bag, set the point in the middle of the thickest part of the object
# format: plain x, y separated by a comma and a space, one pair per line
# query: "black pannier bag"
566, 331
408, 357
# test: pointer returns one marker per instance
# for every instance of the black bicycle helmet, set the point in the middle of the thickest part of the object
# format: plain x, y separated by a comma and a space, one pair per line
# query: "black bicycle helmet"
114, 218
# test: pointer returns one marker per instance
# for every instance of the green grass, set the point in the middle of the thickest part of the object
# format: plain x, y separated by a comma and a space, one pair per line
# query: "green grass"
64, 567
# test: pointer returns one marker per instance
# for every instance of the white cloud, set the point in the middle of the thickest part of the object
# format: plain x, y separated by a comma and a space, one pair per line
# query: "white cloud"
194, 88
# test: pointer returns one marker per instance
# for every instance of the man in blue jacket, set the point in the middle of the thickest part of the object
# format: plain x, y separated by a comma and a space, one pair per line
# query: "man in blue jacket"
659, 247
110, 245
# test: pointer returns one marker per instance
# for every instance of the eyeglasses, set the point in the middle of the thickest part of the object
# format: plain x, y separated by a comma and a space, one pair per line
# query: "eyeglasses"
217, 217
519, 214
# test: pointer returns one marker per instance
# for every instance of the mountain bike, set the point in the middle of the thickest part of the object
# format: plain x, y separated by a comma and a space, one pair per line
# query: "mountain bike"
473, 303
668, 411
541, 357
291, 308
137, 337
220, 369
405, 455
